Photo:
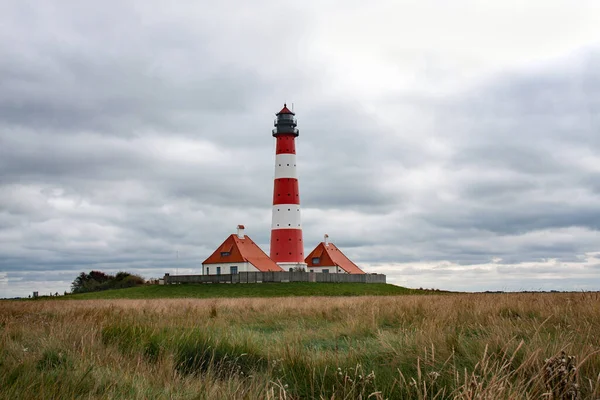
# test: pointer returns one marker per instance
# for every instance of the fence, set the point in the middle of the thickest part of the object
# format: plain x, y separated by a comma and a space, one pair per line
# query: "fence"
264, 277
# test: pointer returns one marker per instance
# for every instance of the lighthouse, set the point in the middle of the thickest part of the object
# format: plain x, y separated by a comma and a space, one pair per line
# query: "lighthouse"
287, 247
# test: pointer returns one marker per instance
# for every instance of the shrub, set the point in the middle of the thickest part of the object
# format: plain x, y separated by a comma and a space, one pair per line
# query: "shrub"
96, 281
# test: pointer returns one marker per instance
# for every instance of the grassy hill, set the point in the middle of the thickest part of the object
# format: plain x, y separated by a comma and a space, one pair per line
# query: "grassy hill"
249, 290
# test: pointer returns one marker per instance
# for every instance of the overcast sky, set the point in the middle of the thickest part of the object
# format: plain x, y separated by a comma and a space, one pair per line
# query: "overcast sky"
448, 146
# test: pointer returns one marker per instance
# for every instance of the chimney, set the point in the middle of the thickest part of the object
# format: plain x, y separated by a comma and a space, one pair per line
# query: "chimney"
326, 239
240, 231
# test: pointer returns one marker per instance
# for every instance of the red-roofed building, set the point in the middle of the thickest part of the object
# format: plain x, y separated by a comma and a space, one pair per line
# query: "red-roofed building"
327, 258
238, 253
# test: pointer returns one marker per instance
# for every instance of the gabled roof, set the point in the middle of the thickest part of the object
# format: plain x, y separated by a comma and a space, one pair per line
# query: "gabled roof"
330, 255
242, 250
285, 110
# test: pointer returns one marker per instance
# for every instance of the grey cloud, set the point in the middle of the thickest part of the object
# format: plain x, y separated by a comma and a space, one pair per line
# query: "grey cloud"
121, 144
517, 218
122, 99
118, 76
511, 156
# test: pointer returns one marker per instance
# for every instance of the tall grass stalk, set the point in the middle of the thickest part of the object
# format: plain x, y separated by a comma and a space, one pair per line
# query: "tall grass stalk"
467, 346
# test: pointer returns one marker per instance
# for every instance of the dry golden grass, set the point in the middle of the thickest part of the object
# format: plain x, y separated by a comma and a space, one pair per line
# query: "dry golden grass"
465, 346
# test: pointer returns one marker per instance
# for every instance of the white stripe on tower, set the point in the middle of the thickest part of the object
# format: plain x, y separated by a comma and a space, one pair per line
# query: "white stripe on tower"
286, 216
285, 166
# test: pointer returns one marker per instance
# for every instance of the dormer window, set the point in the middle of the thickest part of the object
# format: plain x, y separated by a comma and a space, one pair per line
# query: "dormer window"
225, 253
316, 261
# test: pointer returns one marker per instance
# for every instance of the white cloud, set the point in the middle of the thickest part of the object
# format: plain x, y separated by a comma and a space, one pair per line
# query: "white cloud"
543, 275
452, 140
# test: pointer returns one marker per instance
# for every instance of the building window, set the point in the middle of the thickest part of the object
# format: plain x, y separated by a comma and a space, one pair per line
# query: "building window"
218, 270
316, 261
233, 270
225, 253
325, 271
207, 271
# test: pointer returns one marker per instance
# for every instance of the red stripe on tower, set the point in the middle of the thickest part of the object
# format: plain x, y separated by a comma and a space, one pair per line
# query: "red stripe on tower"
287, 248
285, 191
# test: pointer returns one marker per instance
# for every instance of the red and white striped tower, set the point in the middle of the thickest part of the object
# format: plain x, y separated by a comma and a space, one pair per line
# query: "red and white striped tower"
287, 247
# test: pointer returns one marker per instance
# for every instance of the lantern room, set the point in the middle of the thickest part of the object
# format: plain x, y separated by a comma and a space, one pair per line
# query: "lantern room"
285, 123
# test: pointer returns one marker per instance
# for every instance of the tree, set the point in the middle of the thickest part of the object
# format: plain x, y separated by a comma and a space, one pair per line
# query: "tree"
100, 276
79, 284
98, 280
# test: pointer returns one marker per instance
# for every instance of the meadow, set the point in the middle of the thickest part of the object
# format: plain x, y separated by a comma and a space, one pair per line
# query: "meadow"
452, 346
210, 291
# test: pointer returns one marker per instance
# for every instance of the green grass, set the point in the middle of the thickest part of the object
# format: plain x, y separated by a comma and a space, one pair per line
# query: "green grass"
458, 346
206, 291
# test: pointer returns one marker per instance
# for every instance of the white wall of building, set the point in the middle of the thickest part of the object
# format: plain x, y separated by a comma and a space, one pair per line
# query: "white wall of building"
332, 269
226, 268
287, 265
247, 267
